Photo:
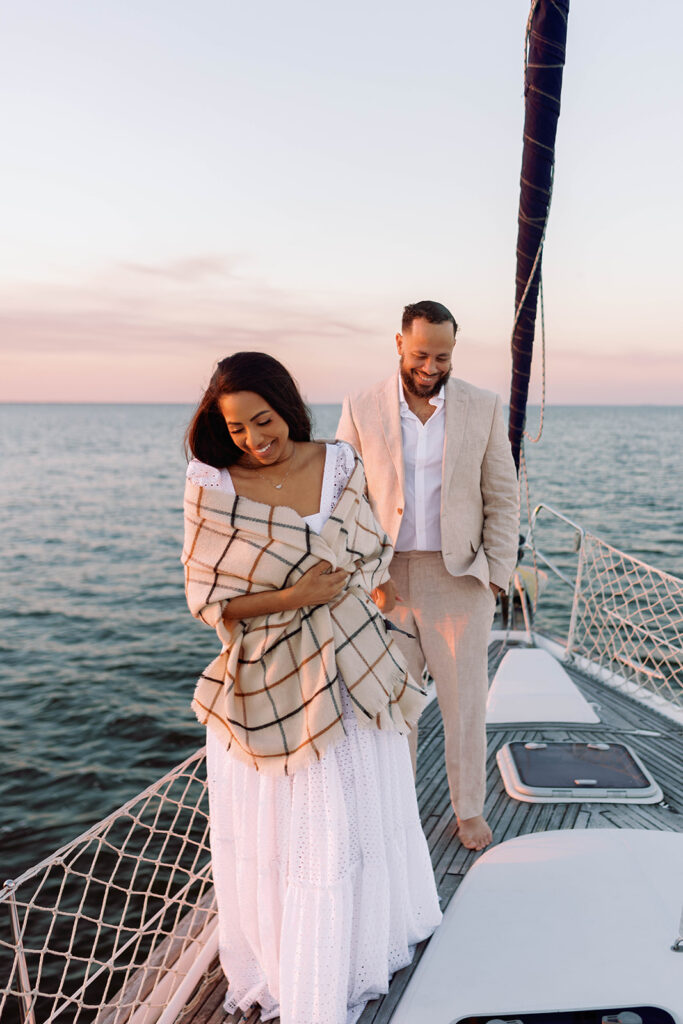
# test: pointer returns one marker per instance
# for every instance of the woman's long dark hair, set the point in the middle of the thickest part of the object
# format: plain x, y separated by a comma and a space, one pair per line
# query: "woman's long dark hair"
208, 439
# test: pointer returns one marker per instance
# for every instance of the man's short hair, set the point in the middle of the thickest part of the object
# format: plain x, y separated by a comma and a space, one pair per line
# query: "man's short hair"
432, 312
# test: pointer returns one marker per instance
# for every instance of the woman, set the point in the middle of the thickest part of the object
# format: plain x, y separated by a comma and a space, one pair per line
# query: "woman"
322, 872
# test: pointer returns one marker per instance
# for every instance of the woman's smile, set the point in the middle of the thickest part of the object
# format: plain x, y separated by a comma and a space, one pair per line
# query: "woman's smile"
264, 451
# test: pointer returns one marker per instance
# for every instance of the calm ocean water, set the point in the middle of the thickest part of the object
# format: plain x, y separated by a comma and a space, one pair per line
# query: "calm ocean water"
98, 653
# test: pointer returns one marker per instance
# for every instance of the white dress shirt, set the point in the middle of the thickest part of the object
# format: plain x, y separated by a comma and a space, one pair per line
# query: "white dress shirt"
422, 462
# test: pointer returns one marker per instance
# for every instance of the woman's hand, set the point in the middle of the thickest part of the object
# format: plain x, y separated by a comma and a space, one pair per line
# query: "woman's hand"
318, 585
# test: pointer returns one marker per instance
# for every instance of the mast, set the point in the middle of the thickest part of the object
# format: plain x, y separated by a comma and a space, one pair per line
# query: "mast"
545, 52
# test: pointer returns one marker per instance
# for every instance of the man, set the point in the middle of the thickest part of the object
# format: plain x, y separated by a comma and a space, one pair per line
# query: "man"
442, 482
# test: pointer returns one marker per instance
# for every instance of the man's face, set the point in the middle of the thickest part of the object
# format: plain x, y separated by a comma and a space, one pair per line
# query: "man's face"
426, 351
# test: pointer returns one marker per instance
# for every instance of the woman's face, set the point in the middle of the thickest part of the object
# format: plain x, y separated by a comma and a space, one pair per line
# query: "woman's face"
255, 427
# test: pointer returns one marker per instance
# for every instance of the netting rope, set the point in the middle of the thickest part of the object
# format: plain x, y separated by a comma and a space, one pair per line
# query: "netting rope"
91, 932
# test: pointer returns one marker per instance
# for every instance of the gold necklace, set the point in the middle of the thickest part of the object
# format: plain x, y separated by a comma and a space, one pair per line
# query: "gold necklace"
278, 487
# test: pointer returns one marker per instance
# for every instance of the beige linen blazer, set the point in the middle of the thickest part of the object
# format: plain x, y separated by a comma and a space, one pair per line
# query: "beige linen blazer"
479, 495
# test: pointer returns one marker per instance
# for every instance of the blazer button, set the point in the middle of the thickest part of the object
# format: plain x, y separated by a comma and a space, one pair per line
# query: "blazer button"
400, 511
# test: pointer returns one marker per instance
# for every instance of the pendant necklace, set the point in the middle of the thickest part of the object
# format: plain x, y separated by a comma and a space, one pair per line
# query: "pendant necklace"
278, 487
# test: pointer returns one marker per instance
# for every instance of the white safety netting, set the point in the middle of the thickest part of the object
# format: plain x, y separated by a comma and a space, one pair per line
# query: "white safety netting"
111, 922
628, 619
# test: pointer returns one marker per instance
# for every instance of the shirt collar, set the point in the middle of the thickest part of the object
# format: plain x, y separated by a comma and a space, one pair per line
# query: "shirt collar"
436, 400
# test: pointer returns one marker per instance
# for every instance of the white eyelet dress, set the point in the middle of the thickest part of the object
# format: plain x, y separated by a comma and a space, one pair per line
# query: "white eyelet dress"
323, 878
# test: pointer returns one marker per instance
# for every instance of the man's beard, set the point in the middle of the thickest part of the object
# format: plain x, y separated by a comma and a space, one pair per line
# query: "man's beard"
422, 390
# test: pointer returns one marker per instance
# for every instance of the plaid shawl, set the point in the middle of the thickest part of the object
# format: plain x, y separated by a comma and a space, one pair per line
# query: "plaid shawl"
273, 695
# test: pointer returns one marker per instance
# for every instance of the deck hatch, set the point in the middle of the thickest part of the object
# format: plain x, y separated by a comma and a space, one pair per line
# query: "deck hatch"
583, 772
633, 1015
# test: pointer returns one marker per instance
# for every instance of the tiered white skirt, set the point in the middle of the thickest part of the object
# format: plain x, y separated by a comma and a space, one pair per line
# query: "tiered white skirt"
323, 879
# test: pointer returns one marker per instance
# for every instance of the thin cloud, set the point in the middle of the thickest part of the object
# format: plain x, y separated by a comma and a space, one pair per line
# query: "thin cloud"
191, 271
128, 334
111, 315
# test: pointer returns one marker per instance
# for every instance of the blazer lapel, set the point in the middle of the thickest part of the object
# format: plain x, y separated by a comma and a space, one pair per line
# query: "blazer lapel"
456, 415
390, 418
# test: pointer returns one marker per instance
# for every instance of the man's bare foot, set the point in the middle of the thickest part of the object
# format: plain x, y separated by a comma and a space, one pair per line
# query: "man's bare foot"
474, 833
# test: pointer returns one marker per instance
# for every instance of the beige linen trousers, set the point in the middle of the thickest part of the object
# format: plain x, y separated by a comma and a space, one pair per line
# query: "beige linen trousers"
451, 619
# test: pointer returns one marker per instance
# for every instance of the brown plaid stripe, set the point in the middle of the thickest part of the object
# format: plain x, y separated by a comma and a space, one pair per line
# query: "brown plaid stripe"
273, 693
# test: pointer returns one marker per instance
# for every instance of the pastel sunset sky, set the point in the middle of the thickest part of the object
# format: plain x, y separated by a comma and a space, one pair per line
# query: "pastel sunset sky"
183, 180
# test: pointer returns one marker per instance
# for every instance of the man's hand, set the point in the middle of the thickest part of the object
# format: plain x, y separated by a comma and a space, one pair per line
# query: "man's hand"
385, 597
496, 590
